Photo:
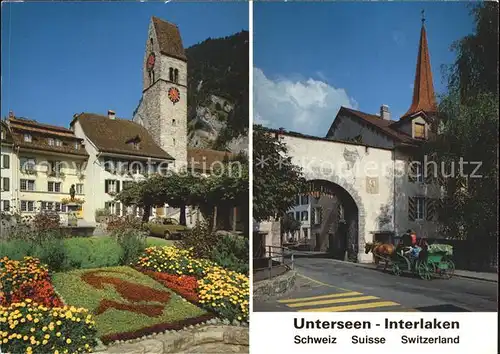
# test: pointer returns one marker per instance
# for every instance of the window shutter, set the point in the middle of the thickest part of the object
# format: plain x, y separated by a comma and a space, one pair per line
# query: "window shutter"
106, 205
6, 161
412, 208
430, 209
117, 208
320, 221
313, 216
429, 170
412, 171
106, 186
439, 208
6, 184
117, 186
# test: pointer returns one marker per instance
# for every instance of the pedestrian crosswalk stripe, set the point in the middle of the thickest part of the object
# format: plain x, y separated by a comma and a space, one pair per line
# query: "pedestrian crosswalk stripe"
333, 301
403, 310
369, 305
351, 293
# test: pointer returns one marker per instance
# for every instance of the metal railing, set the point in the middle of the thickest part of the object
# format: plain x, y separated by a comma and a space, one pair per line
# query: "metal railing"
279, 259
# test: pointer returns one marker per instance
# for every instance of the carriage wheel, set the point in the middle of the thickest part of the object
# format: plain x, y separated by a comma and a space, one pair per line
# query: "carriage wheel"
449, 271
396, 270
424, 270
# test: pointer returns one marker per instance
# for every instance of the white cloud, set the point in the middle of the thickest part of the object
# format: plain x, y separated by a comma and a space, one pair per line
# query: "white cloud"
306, 106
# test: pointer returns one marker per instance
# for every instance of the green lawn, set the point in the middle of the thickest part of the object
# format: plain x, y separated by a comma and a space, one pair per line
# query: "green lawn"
150, 241
124, 302
155, 241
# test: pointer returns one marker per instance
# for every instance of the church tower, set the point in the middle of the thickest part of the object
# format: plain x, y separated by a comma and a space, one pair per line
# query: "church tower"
424, 98
162, 109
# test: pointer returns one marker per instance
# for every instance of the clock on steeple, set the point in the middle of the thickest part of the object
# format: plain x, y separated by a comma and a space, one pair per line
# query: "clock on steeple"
162, 109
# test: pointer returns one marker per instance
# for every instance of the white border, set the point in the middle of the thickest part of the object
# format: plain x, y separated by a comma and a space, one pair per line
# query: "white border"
250, 154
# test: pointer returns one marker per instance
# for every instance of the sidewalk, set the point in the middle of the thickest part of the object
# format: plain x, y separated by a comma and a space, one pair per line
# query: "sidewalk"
491, 277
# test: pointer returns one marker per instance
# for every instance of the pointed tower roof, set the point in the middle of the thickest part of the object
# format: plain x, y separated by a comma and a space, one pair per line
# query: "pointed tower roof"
423, 90
169, 38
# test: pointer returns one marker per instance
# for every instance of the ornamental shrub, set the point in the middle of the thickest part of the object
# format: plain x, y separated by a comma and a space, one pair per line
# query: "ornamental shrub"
15, 249
231, 252
26, 327
51, 252
92, 252
201, 240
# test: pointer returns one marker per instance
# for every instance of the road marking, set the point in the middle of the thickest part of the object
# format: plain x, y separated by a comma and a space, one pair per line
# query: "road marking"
369, 305
403, 310
321, 283
349, 293
333, 301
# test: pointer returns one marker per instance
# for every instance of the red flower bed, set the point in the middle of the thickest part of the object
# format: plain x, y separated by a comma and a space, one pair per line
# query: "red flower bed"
41, 292
184, 285
26, 279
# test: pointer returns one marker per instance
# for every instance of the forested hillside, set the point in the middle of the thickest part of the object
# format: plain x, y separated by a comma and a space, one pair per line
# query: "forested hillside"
218, 90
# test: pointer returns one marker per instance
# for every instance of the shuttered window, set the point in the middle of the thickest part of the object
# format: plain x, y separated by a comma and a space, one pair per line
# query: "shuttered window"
412, 171
5, 161
6, 184
416, 208
419, 131
430, 209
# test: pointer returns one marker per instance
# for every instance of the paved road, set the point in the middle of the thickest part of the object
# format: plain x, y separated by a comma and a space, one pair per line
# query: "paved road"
325, 285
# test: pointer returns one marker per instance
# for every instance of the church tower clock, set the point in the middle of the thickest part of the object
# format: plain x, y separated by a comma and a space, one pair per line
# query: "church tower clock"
163, 106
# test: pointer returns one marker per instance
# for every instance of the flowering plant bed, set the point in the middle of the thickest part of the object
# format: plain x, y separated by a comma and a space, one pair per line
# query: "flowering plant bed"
184, 285
226, 293
33, 318
26, 327
218, 290
26, 279
173, 260
127, 304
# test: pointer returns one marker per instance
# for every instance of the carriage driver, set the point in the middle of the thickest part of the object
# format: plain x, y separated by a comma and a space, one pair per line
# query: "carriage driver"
410, 246
409, 243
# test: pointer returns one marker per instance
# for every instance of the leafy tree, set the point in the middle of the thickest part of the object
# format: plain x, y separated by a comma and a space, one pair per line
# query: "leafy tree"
180, 191
276, 180
475, 70
469, 131
227, 187
144, 194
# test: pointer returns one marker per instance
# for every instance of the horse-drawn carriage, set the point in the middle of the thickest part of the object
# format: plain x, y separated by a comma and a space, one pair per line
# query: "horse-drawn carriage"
431, 261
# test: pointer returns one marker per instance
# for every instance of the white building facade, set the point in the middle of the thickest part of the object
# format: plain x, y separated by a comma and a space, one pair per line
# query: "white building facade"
372, 169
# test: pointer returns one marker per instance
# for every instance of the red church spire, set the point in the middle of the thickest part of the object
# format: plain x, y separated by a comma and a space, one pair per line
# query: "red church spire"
423, 90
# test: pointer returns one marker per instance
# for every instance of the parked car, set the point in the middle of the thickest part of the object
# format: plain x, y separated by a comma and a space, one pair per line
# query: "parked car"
167, 228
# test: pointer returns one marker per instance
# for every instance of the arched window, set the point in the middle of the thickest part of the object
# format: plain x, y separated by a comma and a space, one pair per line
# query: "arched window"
171, 74
176, 76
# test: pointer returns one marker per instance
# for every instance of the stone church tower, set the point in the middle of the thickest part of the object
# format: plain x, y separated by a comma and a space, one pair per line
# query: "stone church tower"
162, 109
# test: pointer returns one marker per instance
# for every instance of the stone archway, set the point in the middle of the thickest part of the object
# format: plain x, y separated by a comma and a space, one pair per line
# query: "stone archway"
337, 234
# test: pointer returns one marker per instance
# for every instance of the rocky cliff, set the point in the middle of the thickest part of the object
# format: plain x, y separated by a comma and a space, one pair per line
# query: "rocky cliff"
218, 93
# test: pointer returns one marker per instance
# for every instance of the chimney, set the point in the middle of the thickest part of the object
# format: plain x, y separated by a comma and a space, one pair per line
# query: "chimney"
111, 114
384, 112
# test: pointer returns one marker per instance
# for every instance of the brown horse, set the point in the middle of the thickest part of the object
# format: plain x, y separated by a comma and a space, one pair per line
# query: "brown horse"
380, 251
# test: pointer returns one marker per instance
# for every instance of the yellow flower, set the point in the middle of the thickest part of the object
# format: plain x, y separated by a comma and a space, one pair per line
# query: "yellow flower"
68, 341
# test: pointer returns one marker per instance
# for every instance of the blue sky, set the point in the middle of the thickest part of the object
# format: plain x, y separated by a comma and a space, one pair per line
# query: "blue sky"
60, 59
311, 58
